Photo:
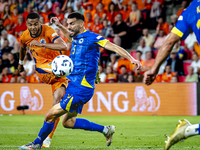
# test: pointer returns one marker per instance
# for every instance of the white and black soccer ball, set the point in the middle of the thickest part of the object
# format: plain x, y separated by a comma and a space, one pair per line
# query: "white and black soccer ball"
62, 66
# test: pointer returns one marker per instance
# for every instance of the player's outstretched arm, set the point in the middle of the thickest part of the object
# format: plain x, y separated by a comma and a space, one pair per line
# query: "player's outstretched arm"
62, 28
22, 54
122, 52
162, 55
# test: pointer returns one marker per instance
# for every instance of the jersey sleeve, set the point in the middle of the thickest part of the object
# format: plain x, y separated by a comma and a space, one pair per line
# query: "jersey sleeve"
98, 39
181, 28
52, 35
22, 39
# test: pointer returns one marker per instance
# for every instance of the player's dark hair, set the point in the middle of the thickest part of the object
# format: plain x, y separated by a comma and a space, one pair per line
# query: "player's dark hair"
33, 16
76, 15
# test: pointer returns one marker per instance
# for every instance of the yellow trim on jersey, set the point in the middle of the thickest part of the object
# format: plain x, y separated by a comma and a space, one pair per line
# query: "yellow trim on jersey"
102, 43
177, 32
69, 104
85, 83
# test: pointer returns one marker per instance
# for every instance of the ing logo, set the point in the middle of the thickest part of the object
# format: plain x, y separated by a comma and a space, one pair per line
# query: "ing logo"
27, 99
144, 103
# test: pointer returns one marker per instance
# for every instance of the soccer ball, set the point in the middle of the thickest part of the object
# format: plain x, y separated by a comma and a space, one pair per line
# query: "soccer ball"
62, 66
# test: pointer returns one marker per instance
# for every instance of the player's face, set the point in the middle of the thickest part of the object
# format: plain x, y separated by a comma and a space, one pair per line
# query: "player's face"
34, 26
74, 26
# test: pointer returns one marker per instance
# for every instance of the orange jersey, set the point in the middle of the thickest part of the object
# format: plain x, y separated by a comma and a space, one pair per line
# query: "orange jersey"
41, 54
44, 56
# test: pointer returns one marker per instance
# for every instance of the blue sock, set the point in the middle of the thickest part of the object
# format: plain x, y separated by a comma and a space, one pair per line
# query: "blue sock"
199, 128
44, 132
87, 125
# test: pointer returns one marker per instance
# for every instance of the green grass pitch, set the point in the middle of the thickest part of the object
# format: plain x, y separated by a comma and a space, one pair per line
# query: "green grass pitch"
132, 133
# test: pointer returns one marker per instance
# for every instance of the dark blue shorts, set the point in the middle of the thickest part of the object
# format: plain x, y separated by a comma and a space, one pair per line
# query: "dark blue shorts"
75, 97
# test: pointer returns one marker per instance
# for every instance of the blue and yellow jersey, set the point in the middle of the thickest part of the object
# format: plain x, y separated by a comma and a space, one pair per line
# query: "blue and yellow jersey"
85, 55
190, 18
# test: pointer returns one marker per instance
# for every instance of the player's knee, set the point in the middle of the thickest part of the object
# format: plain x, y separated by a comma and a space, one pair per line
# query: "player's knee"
68, 124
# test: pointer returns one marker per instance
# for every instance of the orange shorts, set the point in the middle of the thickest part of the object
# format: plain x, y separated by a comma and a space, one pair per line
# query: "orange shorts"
46, 75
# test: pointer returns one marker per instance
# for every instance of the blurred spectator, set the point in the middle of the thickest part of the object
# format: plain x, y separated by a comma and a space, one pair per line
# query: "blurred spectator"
134, 22
42, 19
141, 4
6, 15
174, 79
111, 14
36, 4
174, 19
13, 64
6, 49
32, 79
125, 13
124, 62
28, 11
21, 26
68, 11
97, 25
89, 23
49, 23
21, 5
1, 26
167, 76
155, 13
160, 40
110, 76
138, 76
6, 77
45, 13
191, 77
124, 75
149, 39
3, 3
16, 77
54, 5
90, 10
13, 5
64, 22
101, 12
1, 65
102, 75
29, 64
23, 80
143, 48
14, 17
106, 4
138, 57
120, 30
190, 40
130, 78
106, 28
162, 26
8, 28
113, 62
149, 62
79, 8
48, 3
183, 6
196, 62
175, 63
9, 37
58, 13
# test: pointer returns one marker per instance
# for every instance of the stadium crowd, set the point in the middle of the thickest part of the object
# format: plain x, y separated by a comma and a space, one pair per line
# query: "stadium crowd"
122, 22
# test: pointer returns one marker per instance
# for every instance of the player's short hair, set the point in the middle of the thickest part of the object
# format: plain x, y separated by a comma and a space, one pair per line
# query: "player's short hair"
76, 15
33, 16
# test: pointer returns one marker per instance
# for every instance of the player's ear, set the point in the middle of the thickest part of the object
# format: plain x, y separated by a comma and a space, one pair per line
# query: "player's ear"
82, 24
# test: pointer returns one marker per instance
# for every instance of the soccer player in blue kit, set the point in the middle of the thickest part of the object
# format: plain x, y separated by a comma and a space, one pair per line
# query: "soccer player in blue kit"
85, 55
190, 18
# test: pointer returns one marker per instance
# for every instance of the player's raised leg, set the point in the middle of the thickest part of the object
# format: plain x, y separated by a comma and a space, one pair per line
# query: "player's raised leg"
54, 113
57, 97
183, 130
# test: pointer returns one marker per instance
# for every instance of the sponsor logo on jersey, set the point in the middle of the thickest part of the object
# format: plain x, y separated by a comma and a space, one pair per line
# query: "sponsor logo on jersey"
98, 37
180, 18
81, 40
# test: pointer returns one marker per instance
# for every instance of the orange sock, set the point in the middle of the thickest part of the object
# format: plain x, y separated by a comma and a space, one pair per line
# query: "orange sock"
54, 128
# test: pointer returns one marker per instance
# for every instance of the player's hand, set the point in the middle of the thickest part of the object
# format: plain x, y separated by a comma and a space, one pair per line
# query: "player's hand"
20, 68
55, 20
35, 43
137, 63
149, 77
